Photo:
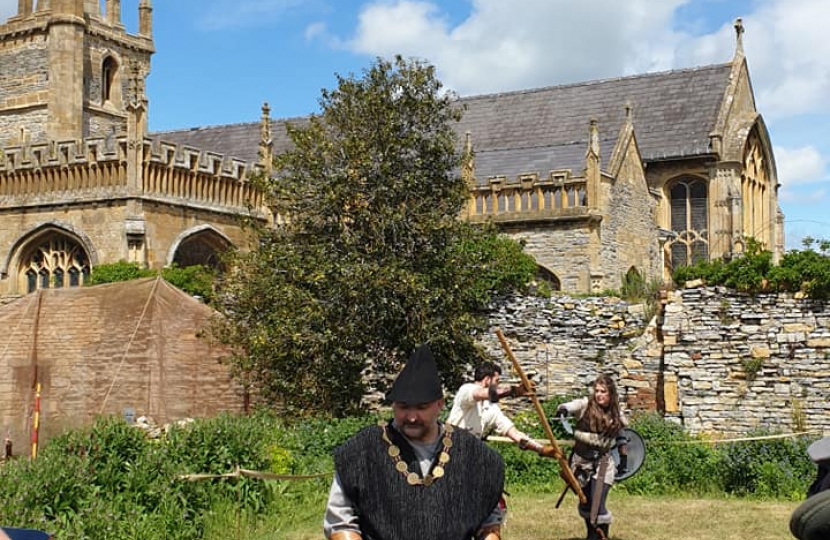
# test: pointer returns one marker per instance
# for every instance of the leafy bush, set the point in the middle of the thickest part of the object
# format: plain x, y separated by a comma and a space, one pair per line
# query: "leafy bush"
115, 272
675, 462
767, 468
806, 270
195, 280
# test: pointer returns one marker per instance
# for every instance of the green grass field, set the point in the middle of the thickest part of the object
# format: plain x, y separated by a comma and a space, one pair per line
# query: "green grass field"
534, 517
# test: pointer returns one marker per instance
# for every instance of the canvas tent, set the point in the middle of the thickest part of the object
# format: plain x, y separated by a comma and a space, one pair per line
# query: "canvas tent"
123, 348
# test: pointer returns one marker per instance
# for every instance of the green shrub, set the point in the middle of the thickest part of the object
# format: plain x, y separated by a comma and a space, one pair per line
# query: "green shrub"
115, 272
752, 272
767, 468
195, 280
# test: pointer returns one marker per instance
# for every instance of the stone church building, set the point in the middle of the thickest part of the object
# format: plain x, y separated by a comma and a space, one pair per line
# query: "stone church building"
600, 179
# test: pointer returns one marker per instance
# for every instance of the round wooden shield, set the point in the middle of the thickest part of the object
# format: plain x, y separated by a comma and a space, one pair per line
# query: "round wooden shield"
636, 454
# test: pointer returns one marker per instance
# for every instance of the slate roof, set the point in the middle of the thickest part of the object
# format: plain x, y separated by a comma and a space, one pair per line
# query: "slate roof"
547, 128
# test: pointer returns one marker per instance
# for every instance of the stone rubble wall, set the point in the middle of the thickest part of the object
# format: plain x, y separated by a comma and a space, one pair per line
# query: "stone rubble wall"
747, 363
713, 360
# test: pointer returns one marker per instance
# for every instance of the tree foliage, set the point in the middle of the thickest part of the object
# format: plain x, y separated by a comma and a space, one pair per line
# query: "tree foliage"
372, 259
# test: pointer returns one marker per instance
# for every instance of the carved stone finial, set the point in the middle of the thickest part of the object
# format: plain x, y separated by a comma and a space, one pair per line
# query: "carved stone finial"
468, 168
145, 18
265, 124
628, 110
266, 141
593, 134
739, 31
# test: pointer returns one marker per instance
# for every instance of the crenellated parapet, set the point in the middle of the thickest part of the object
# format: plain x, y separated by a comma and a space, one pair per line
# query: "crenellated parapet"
171, 170
41, 172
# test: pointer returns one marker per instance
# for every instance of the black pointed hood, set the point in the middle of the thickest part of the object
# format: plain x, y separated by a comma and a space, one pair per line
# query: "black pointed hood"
418, 382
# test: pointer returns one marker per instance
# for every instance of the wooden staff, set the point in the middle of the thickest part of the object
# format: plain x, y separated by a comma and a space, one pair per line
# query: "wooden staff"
564, 466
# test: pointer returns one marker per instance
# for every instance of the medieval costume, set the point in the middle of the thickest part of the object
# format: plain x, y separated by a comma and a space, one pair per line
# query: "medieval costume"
476, 407
598, 430
811, 519
413, 478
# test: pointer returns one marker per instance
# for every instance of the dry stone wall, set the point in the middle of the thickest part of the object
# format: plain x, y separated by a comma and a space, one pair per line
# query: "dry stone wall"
563, 342
713, 360
745, 363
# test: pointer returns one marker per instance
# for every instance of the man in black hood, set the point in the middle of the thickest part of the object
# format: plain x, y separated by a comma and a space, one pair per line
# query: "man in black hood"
413, 478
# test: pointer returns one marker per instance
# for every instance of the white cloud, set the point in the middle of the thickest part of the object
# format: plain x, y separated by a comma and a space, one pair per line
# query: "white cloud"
800, 166
315, 30
789, 57
524, 43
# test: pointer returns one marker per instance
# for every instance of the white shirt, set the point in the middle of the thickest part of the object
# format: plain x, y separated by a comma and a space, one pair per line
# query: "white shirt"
479, 417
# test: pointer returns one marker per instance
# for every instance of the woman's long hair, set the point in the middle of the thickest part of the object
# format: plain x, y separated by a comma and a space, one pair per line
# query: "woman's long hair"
605, 420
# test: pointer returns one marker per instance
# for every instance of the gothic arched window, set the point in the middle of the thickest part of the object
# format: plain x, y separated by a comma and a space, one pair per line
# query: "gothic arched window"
108, 69
689, 221
545, 275
53, 262
756, 189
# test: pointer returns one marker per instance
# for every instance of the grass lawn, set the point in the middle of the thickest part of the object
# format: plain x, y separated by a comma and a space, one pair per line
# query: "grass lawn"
533, 516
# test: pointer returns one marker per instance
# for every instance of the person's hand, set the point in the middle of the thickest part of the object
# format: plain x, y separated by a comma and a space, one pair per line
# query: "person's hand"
622, 466
519, 390
548, 451
528, 444
561, 411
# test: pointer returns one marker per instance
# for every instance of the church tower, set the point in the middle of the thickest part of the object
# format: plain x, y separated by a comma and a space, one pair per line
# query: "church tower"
70, 71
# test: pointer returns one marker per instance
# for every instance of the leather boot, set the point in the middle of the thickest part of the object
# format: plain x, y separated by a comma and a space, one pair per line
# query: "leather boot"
592, 531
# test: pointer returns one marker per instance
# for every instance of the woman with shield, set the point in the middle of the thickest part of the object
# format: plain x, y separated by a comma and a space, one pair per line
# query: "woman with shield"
599, 427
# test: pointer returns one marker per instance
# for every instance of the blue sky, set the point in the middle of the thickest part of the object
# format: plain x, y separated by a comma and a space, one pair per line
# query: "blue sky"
217, 61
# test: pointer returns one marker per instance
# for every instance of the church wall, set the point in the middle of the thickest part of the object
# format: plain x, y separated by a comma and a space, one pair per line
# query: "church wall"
105, 225
629, 236
102, 223
166, 223
562, 248
102, 119
24, 88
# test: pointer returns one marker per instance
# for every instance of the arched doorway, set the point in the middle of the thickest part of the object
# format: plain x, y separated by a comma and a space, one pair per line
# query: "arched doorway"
204, 248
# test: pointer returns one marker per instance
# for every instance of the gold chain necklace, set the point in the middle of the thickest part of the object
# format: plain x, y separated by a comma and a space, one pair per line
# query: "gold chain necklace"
413, 478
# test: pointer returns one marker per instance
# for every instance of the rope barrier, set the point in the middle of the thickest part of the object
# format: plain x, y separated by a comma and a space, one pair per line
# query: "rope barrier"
500, 439
741, 439
252, 474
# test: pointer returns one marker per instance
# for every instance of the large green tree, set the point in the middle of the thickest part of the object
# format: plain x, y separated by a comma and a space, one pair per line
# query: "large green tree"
371, 259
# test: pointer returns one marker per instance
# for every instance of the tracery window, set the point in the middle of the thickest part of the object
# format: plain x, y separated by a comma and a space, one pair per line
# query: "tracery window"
54, 262
689, 222
755, 189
